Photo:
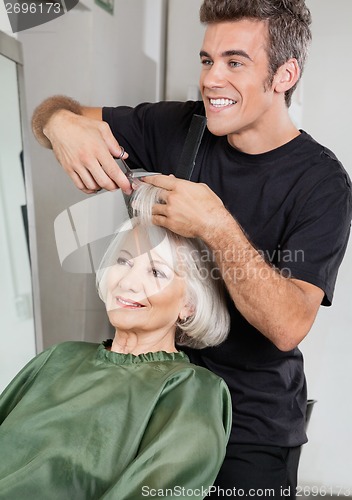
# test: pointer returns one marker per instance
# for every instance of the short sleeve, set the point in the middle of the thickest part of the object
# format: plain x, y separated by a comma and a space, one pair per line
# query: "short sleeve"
314, 248
153, 134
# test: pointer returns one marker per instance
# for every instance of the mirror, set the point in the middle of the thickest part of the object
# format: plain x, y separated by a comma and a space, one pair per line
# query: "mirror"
20, 326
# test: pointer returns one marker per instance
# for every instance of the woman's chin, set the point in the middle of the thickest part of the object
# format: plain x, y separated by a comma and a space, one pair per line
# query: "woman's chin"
121, 323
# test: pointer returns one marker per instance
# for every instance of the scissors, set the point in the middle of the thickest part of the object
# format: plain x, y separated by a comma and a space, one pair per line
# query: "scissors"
132, 175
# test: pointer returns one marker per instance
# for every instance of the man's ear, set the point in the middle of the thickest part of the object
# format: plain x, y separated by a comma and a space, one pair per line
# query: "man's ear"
286, 76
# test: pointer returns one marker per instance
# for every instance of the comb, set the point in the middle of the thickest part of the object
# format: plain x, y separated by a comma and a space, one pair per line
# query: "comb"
190, 149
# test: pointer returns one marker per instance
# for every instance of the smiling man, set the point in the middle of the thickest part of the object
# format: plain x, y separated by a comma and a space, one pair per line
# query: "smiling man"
240, 99
273, 205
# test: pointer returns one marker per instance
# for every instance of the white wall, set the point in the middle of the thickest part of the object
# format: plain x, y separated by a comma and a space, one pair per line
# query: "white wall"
185, 37
58, 60
4, 21
17, 334
327, 112
98, 59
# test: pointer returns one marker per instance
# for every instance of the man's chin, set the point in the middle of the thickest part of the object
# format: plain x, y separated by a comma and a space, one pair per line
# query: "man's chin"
218, 130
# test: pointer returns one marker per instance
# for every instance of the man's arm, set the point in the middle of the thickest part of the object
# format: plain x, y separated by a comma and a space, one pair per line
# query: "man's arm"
281, 308
82, 143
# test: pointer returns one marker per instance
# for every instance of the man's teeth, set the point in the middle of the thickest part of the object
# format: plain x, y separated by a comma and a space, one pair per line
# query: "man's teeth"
219, 103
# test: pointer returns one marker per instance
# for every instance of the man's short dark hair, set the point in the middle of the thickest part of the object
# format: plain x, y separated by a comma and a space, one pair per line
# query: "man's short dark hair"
288, 27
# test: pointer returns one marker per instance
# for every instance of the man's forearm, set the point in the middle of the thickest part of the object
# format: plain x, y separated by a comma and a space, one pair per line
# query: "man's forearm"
276, 305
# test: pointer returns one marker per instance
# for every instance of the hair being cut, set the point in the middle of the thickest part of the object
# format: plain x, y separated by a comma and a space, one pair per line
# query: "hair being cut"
209, 323
288, 27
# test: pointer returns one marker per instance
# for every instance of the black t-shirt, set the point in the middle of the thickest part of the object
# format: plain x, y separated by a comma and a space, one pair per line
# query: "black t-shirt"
294, 204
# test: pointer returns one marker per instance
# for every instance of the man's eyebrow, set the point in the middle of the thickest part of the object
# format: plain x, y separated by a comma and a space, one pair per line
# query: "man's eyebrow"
227, 53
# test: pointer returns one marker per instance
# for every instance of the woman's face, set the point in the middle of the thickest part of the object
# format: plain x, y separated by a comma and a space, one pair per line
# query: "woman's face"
143, 292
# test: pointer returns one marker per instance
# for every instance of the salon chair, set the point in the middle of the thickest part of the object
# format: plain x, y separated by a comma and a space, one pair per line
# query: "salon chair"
310, 404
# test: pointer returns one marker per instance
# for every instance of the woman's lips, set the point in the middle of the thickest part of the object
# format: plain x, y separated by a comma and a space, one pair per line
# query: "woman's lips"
128, 303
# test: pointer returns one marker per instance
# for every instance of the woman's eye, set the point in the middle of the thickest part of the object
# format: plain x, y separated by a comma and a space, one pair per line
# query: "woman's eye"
122, 261
158, 274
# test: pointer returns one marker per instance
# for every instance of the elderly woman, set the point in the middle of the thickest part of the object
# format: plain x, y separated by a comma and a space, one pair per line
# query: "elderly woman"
132, 417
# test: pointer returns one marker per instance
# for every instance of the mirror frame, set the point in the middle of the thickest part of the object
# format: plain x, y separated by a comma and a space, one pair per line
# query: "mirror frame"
12, 49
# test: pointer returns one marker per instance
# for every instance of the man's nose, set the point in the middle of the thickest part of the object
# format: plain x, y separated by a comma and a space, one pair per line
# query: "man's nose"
214, 76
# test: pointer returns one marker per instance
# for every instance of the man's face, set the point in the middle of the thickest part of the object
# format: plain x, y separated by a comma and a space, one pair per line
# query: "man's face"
234, 78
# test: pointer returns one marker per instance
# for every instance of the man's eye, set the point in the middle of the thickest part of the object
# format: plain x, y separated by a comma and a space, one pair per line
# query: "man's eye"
235, 64
206, 62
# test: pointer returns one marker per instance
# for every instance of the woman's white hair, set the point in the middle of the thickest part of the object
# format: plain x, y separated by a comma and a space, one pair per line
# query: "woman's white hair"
209, 322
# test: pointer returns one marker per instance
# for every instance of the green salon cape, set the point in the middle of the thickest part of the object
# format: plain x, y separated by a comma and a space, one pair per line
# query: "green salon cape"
82, 422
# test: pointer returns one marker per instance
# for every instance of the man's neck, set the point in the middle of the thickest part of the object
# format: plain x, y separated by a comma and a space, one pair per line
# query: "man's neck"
271, 136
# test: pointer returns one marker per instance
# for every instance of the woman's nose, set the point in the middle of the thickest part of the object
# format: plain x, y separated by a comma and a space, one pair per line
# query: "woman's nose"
131, 279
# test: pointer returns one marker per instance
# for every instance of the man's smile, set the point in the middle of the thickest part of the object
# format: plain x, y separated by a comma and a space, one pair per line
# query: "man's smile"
221, 102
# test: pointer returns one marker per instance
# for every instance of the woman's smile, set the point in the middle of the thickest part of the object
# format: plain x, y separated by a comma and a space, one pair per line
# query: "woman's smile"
128, 303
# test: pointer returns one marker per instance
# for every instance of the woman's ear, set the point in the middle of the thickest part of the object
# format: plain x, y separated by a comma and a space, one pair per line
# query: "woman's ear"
286, 76
187, 310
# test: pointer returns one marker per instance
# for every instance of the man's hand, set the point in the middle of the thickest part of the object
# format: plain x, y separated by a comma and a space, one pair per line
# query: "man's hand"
187, 208
85, 148
82, 143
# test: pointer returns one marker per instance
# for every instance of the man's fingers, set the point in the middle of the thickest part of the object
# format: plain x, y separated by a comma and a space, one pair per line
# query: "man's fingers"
160, 220
113, 172
160, 209
103, 172
80, 184
93, 177
110, 141
94, 170
102, 179
87, 179
167, 182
